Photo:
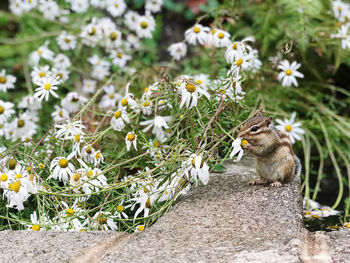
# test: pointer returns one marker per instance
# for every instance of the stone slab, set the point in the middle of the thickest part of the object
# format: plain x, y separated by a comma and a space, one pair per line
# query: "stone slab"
224, 221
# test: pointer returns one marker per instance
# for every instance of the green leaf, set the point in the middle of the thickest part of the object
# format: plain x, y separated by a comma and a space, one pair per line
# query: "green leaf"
219, 168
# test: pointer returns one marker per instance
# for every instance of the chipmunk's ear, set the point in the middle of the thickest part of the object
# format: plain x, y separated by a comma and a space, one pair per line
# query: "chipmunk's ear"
268, 121
259, 114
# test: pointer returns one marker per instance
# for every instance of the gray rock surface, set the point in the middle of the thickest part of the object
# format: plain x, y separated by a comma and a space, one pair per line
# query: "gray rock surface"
224, 221
45, 246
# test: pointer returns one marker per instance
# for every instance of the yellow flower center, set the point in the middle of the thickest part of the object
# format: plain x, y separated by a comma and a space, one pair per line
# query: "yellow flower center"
18, 176
117, 114
2, 109
47, 86
239, 62
20, 123
289, 72
162, 102
146, 89
213, 31
41, 166
190, 87
69, 212
144, 24
31, 177
116, 5
90, 173
141, 228
156, 144
244, 142
315, 216
222, 91
40, 52
88, 150
35, 227
76, 177
92, 32
347, 225
119, 55
113, 35
196, 29
146, 104
288, 128
111, 96
199, 81
67, 40
63, 163
42, 74
124, 102
221, 35
3, 80
15, 186
120, 208
148, 203
3, 177
131, 137
77, 138
60, 113
234, 46
12, 164
98, 155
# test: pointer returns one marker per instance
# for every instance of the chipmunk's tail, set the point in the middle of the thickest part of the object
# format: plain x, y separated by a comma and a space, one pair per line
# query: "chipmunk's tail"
297, 166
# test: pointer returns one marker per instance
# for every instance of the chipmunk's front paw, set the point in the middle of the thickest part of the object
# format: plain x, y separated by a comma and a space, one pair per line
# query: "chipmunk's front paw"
257, 182
247, 147
276, 184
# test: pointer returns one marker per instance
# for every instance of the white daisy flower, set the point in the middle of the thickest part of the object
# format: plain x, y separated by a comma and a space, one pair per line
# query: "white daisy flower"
343, 34
47, 86
291, 127
40, 72
114, 38
79, 6
59, 114
146, 107
61, 169
30, 102
42, 52
177, 50
6, 110
190, 94
119, 118
49, 9
60, 74
197, 34
237, 148
23, 127
119, 58
289, 73
69, 129
128, 100
241, 63
104, 221
66, 41
89, 86
196, 167
131, 138
145, 25
17, 194
73, 101
109, 100
120, 210
61, 61
202, 80
88, 154
133, 41
115, 7
153, 6
221, 38
130, 19
158, 123
6, 81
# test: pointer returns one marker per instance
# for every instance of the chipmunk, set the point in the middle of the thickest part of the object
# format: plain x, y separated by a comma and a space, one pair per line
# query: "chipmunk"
275, 161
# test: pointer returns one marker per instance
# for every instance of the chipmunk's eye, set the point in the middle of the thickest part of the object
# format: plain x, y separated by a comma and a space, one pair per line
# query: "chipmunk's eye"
254, 128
